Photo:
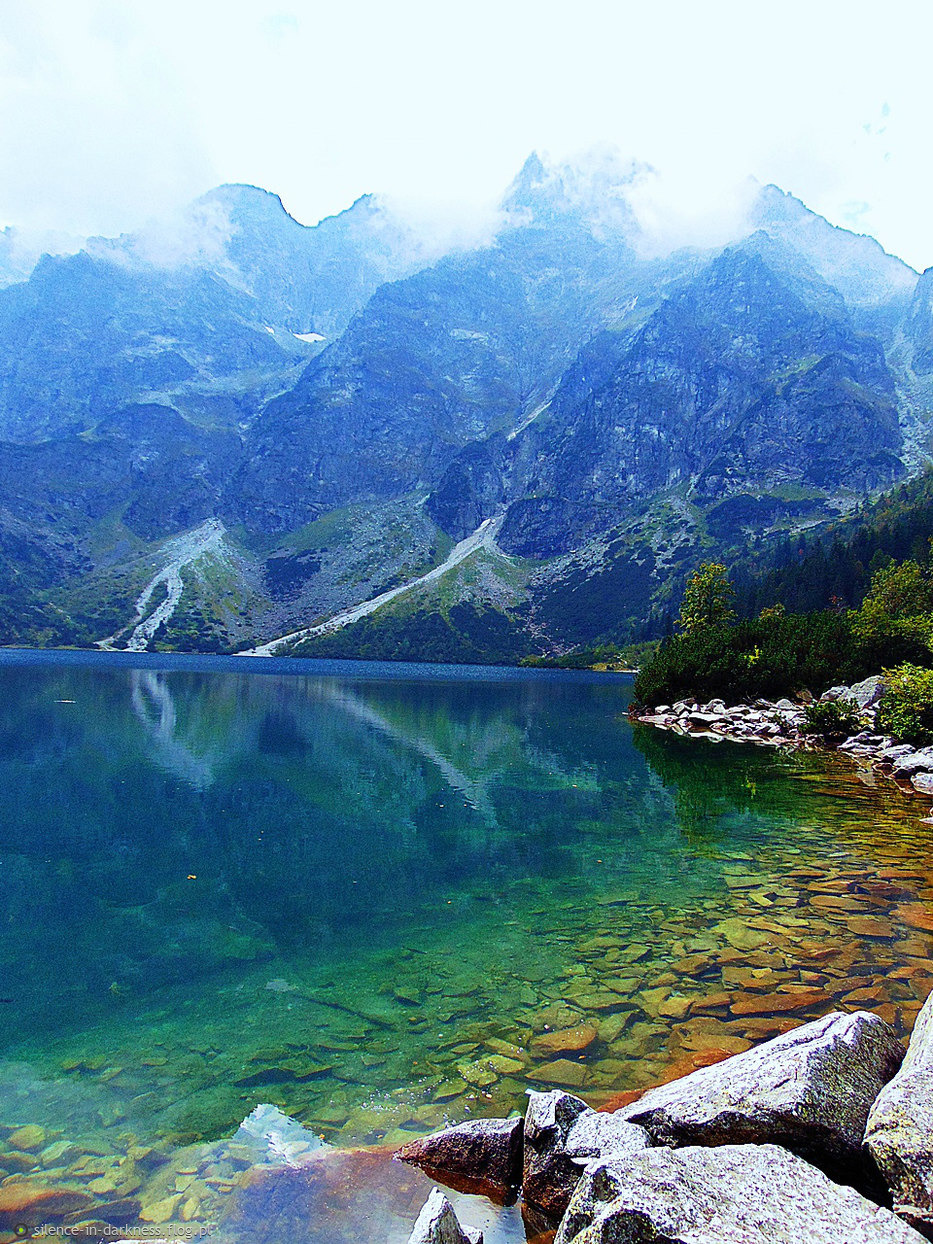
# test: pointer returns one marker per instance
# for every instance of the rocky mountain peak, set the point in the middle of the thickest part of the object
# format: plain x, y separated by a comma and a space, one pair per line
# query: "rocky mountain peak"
858, 266
591, 192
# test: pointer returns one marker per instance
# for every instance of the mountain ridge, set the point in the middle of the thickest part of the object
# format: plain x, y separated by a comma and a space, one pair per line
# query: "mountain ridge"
349, 406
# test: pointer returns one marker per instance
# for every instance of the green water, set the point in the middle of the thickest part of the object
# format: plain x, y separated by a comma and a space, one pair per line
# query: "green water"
371, 895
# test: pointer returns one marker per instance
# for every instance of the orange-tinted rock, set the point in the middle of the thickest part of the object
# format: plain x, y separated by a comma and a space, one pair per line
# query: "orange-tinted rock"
869, 926
889, 1013
721, 1042
574, 1039
692, 965
713, 1001
778, 1003
761, 980
32, 1203
917, 915
677, 1006
867, 995
817, 954
833, 902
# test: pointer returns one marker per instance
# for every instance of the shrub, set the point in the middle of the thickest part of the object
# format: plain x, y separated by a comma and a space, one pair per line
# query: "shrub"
832, 719
770, 657
906, 707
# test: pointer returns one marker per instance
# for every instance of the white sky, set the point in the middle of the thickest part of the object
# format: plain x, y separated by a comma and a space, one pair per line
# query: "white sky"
112, 111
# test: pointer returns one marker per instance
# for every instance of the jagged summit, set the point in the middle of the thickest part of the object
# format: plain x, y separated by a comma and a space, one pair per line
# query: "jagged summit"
858, 265
349, 396
592, 191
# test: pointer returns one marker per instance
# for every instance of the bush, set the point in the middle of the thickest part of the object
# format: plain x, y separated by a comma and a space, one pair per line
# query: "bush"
772, 656
906, 707
832, 719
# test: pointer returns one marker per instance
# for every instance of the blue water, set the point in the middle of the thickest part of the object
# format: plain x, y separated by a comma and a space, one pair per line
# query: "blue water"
370, 894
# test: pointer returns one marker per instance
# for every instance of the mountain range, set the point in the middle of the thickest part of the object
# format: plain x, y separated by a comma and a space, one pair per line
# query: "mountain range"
239, 428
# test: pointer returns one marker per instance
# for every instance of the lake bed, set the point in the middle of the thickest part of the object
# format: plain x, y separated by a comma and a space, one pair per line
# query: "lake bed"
385, 897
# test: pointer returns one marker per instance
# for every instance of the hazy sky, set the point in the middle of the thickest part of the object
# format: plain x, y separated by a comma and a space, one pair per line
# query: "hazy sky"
112, 111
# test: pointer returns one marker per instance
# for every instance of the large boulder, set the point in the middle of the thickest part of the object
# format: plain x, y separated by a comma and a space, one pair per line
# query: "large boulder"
867, 692
563, 1134
735, 1194
437, 1224
486, 1149
914, 762
836, 693
899, 1133
809, 1090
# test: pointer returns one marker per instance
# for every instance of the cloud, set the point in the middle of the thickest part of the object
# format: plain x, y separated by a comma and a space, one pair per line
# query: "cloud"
675, 209
196, 236
95, 121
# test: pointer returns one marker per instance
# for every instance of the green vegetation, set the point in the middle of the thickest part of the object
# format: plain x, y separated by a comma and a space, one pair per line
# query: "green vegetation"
467, 634
832, 720
779, 653
708, 599
834, 568
906, 708
601, 657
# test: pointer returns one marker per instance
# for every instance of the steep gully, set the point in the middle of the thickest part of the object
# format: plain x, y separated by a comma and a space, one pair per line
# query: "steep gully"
483, 537
184, 550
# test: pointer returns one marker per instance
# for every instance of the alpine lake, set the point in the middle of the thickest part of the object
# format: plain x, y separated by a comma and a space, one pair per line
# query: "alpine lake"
381, 898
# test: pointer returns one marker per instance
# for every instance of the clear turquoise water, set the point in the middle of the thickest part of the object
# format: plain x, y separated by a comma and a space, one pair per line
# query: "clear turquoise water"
366, 893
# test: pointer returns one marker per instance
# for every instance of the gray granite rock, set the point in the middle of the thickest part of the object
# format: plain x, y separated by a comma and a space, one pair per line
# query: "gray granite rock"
562, 1134
899, 1133
734, 1194
867, 692
437, 1224
486, 1149
896, 750
923, 782
914, 762
809, 1090
835, 693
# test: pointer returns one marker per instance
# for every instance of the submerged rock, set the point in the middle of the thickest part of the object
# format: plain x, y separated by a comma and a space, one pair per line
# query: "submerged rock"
563, 1134
899, 1133
29, 1203
734, 1194
486, 1149
809, 1090
437, 1224
273, 1137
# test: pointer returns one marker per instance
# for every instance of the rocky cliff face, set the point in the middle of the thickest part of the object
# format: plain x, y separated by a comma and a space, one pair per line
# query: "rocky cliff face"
750, 380
433, 364
349, 406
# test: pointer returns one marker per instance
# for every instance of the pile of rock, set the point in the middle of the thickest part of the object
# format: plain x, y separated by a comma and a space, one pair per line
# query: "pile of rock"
783, 724
772, 724
809, 1136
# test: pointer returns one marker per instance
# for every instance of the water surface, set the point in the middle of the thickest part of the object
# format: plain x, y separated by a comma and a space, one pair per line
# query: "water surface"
380, 897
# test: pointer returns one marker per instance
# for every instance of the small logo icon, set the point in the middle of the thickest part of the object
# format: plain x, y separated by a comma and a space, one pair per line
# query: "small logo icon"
21, 1231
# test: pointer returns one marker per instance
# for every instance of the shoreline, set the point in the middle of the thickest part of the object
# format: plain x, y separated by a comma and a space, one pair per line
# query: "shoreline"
780, 724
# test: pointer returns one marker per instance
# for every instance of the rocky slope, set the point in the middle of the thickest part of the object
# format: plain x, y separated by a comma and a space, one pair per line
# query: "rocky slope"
349, 406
